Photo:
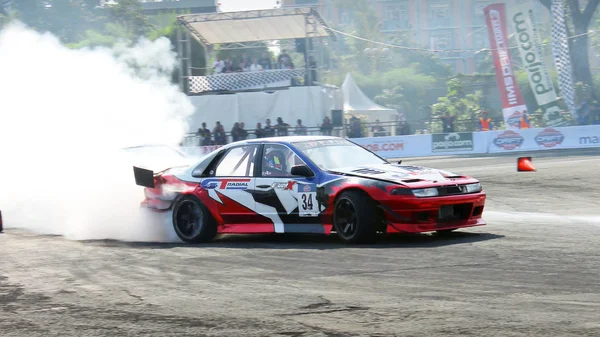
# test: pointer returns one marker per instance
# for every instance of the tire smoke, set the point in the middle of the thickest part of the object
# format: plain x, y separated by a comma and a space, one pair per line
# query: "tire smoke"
65, 115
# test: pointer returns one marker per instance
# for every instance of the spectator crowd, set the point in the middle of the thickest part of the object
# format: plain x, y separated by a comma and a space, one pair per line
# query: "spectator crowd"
356, 128
218, 135
252, 63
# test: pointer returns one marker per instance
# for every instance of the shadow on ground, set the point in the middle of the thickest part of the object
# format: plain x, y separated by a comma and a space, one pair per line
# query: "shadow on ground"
316, 242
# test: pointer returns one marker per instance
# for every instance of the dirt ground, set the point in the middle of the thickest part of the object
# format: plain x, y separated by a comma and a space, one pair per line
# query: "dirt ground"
534, 270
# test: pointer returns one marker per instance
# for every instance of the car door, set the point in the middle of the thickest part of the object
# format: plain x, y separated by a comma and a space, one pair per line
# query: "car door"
230, 184
288, 202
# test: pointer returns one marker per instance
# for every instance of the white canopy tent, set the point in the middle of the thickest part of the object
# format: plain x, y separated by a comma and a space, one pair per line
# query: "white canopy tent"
357, 104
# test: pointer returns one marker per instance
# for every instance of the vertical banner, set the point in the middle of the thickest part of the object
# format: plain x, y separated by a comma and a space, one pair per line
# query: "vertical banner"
562, 57
522, 19
513, 104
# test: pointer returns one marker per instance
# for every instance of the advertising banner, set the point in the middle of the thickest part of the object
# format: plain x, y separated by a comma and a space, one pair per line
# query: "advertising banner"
544, 139
396, 146
523, 22
463, 143
444, 144
513, 104
452, 142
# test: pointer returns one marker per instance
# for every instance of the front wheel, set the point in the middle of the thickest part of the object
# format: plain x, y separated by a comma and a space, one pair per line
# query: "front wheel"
354, 217
192, 221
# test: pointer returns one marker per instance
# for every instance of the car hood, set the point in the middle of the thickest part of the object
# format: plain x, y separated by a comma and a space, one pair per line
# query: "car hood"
404, 174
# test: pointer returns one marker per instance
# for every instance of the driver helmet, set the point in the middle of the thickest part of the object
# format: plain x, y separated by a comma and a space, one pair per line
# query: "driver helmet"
274, 159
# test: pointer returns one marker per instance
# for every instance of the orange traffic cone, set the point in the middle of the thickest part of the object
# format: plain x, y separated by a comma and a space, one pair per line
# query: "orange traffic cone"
524, 164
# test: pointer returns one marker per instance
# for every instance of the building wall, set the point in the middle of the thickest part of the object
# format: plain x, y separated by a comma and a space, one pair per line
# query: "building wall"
435, 24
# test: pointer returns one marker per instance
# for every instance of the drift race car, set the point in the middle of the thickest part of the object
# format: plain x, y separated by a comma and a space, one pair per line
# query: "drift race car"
305, 184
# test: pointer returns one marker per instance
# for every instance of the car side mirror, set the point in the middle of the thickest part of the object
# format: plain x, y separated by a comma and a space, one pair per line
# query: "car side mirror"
302, 170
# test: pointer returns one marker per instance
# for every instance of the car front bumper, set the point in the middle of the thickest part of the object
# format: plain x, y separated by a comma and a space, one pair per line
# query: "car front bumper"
417, 215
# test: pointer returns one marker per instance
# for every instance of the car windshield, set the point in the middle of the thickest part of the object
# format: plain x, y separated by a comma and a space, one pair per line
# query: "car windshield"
333, 154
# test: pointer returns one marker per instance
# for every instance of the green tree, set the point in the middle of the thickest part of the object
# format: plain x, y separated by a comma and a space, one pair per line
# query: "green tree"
365, 24
63, 18
129, 15
457, 103
403, 79
87, 25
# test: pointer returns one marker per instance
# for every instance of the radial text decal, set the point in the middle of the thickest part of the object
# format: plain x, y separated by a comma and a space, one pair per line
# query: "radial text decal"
512, 100
530, 49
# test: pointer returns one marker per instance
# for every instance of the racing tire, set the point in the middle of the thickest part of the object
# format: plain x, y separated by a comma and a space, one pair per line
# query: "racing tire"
354, 217
192, 221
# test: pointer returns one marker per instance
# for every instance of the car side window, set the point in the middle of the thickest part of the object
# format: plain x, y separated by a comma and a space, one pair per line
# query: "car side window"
278, 161
237, 162
199, 170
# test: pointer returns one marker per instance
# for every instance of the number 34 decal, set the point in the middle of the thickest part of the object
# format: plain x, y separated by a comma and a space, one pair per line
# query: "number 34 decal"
307, 200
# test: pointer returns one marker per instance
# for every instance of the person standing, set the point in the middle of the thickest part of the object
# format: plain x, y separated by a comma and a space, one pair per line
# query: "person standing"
204, 135
447, 122
281, 127
485, 123
219, 134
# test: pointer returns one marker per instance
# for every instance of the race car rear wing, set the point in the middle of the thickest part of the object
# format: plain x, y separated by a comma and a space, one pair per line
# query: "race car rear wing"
143, 177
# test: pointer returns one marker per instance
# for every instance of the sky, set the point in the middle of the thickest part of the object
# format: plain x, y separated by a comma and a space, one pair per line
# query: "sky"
245, 5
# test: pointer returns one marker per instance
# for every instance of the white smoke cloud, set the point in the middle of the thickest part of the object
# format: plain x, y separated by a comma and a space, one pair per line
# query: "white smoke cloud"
64, 116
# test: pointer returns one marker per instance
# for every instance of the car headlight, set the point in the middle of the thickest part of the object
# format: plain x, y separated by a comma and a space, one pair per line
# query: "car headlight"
426, 192
473, 188
402, 191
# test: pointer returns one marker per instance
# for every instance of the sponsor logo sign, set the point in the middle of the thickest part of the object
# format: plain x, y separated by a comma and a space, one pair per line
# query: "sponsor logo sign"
590, 140
379, 147
530, 48
306, 188
549, 138
452, 142
510, 95
514, 120
225, 184
286, 186
508, 140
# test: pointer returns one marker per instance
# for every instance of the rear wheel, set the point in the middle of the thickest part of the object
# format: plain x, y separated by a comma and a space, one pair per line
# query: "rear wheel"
192, 221
354, 217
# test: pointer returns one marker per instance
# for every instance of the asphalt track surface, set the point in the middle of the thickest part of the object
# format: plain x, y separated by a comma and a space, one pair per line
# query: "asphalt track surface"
534, 270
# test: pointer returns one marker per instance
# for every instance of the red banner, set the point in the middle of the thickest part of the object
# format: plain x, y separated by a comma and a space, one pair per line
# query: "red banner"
513, 104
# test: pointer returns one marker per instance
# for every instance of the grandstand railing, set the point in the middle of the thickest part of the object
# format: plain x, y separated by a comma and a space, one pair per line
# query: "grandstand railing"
248, 80
390, 128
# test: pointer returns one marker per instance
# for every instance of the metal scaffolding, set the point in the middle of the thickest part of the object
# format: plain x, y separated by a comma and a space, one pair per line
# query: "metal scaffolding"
250, 29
